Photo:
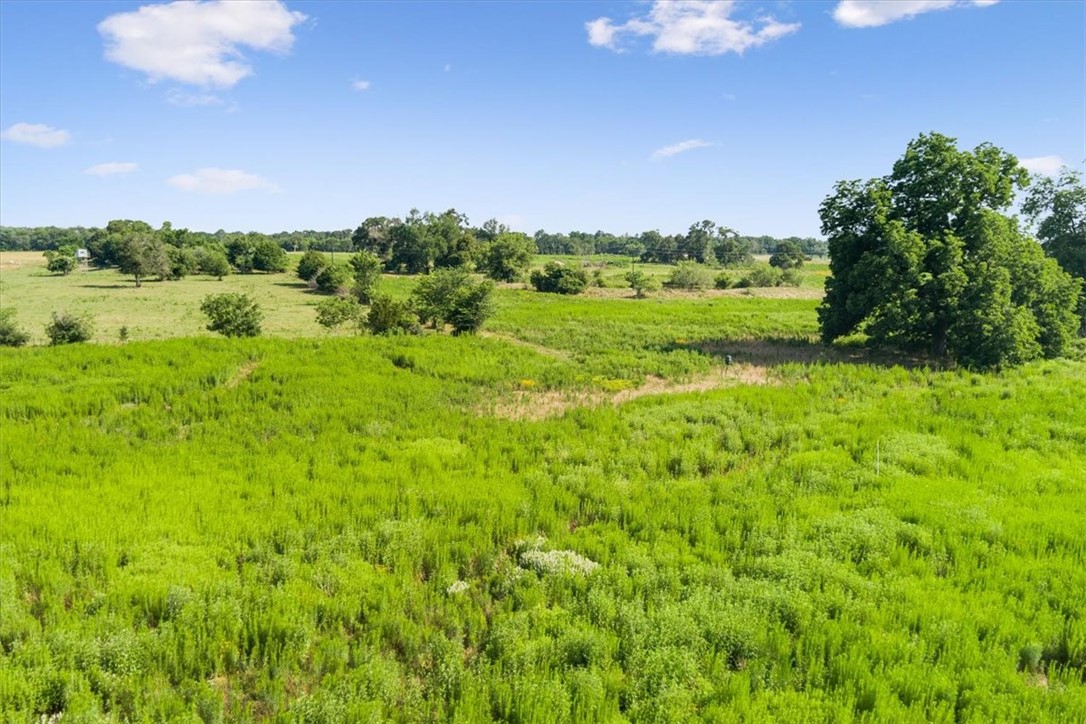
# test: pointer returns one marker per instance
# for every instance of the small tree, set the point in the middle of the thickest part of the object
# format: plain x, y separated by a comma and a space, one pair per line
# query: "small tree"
366, 269
388, 316
471, 307
331, 313
10, 334
213, 262
508, 256
69, 328
142, 254
62, 261
332, 279
183, 262
232, 314
641, 283
310, 265
788, 255
690, 276
557, 278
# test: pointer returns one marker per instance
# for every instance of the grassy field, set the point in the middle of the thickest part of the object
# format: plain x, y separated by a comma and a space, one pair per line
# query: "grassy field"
581, 515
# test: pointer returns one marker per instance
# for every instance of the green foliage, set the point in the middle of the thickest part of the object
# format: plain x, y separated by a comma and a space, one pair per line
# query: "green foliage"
788, 255
732, 250
61, 261
690, 276
183, 262
333, 312
232, 314
366, 269
923, 259
449, 296
723, 280
141, 254
333, 279
10, 333
641, 283
255, 252
310, 265
388, 316
768, 276
213, 262
557, 278
68, 328
1058, 207
507, 256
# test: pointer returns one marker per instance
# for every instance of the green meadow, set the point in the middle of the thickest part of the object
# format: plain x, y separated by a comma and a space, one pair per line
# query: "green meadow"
582, 514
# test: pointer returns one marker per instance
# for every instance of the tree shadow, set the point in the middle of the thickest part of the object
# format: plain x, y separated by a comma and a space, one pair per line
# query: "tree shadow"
774, 351
119, 285
294, 285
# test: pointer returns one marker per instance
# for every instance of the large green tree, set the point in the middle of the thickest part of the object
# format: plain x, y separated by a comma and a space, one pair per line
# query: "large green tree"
924, 259
1058, 208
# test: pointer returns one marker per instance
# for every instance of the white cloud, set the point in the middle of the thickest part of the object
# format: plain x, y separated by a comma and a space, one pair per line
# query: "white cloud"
1047, 165
360, 85
677, 148
690, 27
178, 97
113, 168
873, 13
198, 42
36, 134
219, 181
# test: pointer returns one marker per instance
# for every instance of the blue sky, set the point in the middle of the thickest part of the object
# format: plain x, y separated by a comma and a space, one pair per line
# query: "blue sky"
556, 115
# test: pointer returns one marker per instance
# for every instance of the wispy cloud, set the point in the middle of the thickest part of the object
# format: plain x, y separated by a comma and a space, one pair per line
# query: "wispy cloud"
690, 27
181, 98
36, 134
361, 85
873, 13
113, 168
681, 147
220, 181
198, 43
1046, 165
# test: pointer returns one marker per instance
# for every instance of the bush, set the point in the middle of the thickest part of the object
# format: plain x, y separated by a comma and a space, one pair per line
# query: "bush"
335, 311
310, 265
557, 278
472, 306
69, 328
232, 314
723, 281
213, 262
61, 261
182, 262
10, 334
332, 279
791, 278
388, 316
449, 296
366, 269
641, 283
691, 276
507, 256
761, 276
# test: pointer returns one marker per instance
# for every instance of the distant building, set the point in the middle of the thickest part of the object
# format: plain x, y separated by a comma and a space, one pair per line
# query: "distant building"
82, 254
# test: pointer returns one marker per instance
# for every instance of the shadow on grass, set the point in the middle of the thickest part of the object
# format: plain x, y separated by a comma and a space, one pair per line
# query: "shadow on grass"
294, 285
118, 285
772, 351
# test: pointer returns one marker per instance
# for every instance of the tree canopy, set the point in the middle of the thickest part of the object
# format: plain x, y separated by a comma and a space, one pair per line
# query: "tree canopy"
924, 258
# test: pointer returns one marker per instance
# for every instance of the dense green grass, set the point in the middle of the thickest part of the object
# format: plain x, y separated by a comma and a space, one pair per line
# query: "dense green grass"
336, 529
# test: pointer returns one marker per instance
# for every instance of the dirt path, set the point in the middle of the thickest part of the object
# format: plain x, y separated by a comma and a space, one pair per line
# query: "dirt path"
545, 351
528, 405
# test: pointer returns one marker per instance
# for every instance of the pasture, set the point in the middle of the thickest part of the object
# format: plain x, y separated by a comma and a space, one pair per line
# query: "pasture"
582, 514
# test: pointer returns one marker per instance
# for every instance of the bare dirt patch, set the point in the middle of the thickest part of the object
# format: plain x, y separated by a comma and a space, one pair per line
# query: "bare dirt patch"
531, 405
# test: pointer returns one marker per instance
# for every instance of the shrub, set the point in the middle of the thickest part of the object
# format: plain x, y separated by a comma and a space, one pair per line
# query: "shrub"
760, 276
557, 278
641, 283
182, 262
310, 265
388, 316
723, 281
691, 276
335, 311
61, 261
791, 278
472, 306
69, 328
507, 256
332, 279
10, 334
366, 269
213, 262
232, 314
